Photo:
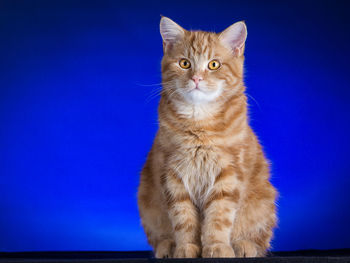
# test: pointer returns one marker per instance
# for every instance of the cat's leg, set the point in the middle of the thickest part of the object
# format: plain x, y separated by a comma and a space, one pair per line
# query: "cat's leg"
254, 236
158, 229
154, 214
183, 216
255, 244
219, 214
251, 238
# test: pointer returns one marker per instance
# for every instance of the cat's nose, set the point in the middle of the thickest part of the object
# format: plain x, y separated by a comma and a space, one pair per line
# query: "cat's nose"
197, 79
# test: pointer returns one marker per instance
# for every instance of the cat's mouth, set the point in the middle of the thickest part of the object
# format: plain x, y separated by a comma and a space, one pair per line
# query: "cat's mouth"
196, 89
191, 87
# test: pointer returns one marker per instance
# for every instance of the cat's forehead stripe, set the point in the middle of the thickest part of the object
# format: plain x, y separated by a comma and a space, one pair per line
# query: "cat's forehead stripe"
200, 43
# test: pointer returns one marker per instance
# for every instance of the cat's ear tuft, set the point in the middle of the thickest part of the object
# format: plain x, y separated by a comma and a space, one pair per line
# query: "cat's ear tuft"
170, 31
234, 37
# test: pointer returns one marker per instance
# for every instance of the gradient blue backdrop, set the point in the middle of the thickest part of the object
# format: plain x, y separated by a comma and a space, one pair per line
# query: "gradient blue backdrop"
77, 115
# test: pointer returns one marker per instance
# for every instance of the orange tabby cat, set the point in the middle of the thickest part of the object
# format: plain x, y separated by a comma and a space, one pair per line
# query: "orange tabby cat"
205, 187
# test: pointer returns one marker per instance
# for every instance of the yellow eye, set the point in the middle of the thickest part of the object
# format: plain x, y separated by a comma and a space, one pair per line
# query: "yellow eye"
185, 63
214, 64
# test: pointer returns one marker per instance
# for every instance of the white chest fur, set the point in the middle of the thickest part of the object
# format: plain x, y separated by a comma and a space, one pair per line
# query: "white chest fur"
196, 111
198, 168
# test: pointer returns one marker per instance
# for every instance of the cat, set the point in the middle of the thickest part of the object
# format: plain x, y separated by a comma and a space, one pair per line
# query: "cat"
204, 189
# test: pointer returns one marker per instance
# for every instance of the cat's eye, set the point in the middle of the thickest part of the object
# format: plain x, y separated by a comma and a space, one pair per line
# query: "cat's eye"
185, 63
214, 64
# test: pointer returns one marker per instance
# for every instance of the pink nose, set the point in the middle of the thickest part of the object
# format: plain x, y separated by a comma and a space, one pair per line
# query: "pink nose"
197, 79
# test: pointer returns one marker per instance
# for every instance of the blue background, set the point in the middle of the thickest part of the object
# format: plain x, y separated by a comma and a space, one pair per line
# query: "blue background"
78, 113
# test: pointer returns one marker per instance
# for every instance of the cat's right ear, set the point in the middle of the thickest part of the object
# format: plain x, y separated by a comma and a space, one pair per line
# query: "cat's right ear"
171, 32
234, 37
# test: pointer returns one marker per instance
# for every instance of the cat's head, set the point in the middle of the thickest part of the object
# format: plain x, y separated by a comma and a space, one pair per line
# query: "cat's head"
200, 67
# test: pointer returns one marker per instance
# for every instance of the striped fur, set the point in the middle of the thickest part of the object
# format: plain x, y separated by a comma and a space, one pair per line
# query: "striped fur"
205, 189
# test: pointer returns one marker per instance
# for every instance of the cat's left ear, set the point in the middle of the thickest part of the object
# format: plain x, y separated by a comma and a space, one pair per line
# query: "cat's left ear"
234, 37
171, 32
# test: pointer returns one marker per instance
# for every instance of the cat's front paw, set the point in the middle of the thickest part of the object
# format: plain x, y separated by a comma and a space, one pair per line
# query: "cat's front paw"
218, 250
187, 251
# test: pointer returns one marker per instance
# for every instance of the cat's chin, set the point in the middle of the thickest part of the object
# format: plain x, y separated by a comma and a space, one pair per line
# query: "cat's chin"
198, 96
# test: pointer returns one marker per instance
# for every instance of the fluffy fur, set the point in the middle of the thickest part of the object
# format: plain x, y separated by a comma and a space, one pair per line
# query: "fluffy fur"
205, 189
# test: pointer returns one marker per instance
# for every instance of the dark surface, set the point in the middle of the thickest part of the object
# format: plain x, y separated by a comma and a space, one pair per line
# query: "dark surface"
339, 255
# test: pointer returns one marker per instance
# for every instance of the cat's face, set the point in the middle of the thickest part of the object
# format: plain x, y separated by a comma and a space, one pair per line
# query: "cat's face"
199, 67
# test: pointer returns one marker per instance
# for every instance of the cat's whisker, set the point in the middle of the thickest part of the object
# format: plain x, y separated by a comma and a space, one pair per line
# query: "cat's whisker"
149, 85
159, 91
155, 93
154, 84
170, 95
256, 102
